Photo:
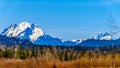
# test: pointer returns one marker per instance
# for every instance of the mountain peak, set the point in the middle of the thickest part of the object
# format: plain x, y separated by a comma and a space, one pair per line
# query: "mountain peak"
34, 25
24, 30
24, 25
13, 25
103, 36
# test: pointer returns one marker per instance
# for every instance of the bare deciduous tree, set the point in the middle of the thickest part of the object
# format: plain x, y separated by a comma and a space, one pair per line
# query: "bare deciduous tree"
113, 24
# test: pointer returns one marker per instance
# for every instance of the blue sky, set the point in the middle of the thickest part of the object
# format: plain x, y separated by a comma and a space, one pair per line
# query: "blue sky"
69, 19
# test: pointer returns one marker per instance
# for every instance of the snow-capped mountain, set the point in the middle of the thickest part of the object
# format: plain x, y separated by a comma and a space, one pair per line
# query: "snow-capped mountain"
24, 31
33, 33
102, 39
100, 43
103, 36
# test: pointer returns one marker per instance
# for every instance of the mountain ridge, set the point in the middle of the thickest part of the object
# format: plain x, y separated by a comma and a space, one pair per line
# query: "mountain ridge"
35, 34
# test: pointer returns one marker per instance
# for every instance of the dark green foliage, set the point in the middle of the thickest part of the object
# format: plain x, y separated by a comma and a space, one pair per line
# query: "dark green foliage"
22, 55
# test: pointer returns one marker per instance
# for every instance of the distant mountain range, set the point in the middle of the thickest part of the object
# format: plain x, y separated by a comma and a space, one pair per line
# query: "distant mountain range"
35, 34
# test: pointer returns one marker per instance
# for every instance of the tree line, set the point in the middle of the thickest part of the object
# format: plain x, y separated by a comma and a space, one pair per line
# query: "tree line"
57, 53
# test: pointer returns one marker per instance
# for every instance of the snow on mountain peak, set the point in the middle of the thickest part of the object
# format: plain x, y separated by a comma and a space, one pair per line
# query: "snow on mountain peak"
103, 36
24, 30
13, 25
77, 41
74, 40
24, 25
37, 32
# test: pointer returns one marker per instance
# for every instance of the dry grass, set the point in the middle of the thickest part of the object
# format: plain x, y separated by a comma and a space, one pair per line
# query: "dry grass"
84, 62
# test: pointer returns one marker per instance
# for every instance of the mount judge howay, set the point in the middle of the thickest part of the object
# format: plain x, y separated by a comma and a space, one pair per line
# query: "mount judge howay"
33, 33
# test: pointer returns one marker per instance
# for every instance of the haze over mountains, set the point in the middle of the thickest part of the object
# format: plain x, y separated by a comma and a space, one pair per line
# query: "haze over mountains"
36, 35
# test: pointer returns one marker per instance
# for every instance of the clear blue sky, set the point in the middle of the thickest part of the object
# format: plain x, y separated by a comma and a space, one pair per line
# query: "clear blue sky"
69, 19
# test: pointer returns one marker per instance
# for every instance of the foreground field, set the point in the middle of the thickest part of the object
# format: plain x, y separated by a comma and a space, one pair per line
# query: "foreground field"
60, 57
42, 63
